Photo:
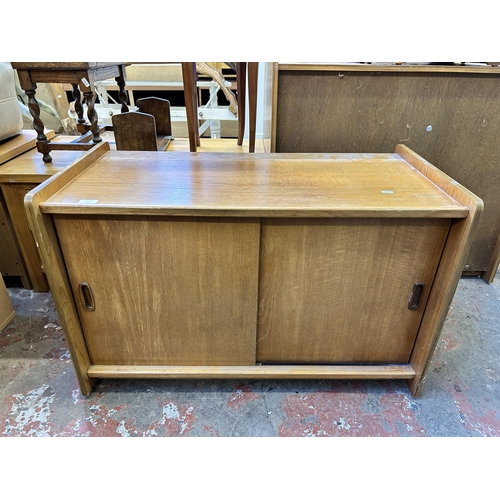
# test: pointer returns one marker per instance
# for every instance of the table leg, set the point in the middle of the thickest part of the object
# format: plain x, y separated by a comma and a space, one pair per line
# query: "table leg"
188, 77
77, 95
253, 74
92, 116
122, 94
241, 82
34, 107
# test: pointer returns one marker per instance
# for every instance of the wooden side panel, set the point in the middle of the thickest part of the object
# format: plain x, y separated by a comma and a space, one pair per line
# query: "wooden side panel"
336, 291
452, 261
11, 261
450, 119
52, 259
14, 196
166, 291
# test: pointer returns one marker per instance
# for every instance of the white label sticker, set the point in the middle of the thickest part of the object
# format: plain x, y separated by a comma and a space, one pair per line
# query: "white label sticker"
85, 82
387, 191
88, 202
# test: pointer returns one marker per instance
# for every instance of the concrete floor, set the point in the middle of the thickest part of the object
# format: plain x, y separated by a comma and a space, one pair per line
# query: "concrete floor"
39, 395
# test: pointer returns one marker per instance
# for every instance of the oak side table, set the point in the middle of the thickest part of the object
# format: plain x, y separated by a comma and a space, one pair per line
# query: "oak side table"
82, 76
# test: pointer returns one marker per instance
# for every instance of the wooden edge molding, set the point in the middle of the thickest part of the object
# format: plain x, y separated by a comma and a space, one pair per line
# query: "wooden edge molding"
450, 268
53, 261
7, 320
258, 371
389, 68
19, 144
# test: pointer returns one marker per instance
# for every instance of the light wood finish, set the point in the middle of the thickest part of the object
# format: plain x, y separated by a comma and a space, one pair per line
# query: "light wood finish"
261, 223
254, 186
26, 169
209, 145
24, 141
191, 301
50, 252
300, 372
11, 260
333, 290
29, 168
14, 197
7, 312
372, 107
17, 177
452, 261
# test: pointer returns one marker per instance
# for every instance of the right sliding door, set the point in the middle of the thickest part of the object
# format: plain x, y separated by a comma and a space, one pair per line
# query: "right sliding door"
345, 290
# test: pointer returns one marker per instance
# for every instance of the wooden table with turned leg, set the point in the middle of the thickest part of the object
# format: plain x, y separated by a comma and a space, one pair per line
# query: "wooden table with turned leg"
82, 76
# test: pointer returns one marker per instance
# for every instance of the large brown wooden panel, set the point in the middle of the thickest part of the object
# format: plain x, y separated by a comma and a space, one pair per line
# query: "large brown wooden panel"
166, 291
451, 118
337, 291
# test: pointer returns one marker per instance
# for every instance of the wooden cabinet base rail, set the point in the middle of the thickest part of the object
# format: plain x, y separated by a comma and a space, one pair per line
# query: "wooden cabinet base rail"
220, 265
254, 372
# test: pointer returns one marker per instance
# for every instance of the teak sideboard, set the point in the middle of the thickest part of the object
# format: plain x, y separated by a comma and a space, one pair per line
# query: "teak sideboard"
213, 265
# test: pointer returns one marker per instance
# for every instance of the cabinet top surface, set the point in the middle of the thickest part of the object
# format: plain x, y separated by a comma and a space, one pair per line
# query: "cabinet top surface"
274, 185
28, 167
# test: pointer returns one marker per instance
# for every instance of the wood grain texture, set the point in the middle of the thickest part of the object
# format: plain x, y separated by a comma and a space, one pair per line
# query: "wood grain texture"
170, 291
24, 141
134, 131
452, 262
344, 269
371, 109
14, 196
393, 68
52, 259
297, 372
11, 260
29, 167
160, 109
253, 185
337, 290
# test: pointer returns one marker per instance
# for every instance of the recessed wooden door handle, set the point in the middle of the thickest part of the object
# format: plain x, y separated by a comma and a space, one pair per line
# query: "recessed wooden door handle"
86, 296
415, 295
